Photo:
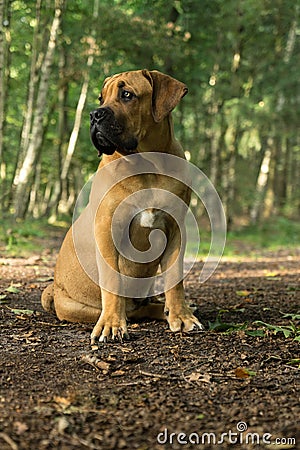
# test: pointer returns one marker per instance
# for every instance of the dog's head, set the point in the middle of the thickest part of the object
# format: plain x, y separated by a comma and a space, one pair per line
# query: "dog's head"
131, 104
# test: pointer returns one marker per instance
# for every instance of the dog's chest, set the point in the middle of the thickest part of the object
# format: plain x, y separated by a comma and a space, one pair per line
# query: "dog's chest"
147, 218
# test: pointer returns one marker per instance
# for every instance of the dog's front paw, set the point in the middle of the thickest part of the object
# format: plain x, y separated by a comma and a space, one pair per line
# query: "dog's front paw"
182, 319
109, 327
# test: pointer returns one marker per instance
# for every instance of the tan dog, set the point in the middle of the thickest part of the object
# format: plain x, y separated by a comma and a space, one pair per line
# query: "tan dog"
134, 117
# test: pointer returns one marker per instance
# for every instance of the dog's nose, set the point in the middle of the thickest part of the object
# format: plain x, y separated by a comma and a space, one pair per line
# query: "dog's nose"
99, 114
95, 116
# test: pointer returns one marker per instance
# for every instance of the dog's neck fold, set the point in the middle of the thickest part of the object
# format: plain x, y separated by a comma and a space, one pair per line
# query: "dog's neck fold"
165, 130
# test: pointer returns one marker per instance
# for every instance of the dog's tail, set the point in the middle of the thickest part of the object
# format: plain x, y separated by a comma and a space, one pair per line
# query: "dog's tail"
48, 299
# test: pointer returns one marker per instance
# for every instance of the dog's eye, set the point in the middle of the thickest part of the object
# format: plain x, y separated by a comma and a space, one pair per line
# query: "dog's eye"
126, 95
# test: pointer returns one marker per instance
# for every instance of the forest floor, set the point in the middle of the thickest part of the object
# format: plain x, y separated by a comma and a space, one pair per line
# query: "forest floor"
236, 382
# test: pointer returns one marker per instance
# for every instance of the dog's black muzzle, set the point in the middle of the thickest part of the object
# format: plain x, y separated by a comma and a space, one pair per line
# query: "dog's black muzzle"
105, 130
107, 133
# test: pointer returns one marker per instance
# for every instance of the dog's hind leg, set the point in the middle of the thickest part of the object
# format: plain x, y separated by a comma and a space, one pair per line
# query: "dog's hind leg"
71, 310
57, 301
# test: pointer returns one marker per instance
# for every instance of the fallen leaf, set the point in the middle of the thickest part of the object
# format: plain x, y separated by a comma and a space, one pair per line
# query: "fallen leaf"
271, 274
197, 376
44, 279
13, 289
103, 365
62, 401
3, 299
243, 293
194, 376
240, 372
295, 362
206, 378
33, 259
62, 425
27, 312
94, 347
118, 373
20, 427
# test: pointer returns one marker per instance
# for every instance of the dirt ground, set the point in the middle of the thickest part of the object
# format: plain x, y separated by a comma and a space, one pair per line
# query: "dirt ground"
159, 390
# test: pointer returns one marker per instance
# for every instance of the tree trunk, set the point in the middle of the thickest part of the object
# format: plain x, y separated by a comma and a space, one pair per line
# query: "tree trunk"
53, 194
294, 187
33, 206
5, 13
261, 183
32, 84
230, 141
24, 179
2, 165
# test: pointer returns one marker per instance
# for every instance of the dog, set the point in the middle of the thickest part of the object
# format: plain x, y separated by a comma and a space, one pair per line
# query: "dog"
133, 120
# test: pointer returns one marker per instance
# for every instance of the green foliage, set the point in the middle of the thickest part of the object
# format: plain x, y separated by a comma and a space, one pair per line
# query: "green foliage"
260, 328
220, 325
287, 330
272, 234
22, 238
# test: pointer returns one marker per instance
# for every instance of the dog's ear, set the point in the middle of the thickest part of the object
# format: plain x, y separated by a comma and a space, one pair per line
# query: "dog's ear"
166, 93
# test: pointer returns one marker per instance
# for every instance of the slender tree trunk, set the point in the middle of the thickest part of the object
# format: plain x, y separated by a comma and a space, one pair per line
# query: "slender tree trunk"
5, 37
25, 177
228, 174
279, 181
215, 135
54, 188
294, 186
287, 173
33, 206
32, 84
2, 165
214, 160
261, 183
